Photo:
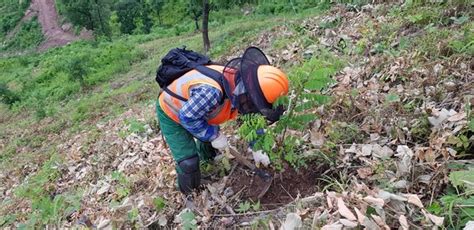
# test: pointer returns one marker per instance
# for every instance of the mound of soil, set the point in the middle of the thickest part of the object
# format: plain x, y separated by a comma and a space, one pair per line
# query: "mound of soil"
285, 187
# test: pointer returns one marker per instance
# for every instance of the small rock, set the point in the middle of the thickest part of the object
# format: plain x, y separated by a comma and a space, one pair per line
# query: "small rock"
438, 68
400, 184
348, 223
293, 221
104, 223
450, 86
226, 221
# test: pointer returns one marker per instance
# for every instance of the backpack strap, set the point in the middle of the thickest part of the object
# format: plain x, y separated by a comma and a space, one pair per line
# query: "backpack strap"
213, 74
218, 77
173, 94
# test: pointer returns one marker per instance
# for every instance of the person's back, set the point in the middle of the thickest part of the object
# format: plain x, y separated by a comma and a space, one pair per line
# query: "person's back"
195, 104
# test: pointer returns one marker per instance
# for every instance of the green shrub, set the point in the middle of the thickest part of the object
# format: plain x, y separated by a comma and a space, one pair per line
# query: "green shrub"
7, 96
28, 36
307, 83
46, 208
11, 11
60, 74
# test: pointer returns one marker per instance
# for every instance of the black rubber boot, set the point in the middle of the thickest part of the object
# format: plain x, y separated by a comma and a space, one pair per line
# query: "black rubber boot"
190, 176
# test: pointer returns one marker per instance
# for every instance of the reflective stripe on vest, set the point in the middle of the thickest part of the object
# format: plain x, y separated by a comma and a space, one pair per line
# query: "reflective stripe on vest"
183, 85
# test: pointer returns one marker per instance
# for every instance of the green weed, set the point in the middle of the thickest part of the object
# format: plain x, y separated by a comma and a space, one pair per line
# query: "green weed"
458, 203
11, 12
421, 129
28, 36
342, 132
159, 203
122, 187
308, 82
48, 208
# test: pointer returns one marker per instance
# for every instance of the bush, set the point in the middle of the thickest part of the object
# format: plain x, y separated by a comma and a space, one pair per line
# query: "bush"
7, 96
11, 11
28, 36
60, 74
282, 141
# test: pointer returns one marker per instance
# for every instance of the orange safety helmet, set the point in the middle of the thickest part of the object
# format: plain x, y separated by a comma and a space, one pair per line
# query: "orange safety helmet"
258, 84
272, 81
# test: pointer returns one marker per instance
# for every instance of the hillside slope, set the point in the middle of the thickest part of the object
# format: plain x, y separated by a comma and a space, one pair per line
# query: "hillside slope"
379, 135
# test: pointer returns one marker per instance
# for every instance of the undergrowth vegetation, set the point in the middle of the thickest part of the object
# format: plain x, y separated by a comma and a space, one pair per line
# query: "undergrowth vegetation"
62, 73
28, 36
11, 12
308, 83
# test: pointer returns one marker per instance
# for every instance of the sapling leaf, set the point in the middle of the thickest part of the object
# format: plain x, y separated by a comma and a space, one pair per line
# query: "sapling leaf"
226, 164
390, 98
256, 206
463, 179
187, 219
159, 203
244, 206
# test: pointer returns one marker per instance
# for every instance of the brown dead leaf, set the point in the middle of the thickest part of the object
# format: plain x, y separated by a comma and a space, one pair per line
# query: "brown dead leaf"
317, 138
344, 211
364, 172
414, 199
332, 227
360, 217
348, 223
374, 201
403, 222
329, 201
380, 221
438, 221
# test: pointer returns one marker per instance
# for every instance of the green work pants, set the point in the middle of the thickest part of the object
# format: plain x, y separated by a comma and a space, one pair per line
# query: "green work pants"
180, 141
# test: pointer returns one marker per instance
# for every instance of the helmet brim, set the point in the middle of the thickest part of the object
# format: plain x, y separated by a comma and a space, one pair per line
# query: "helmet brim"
247, 67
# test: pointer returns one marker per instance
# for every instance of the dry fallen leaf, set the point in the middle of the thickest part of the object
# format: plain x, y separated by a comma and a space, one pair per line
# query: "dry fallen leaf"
317, 138
348, 223
366, 150
293, 221
469, 225
374, 201
344, 211
329, 201
438, 221
403, 222
364, 172
360, 217
414, 199
334, 226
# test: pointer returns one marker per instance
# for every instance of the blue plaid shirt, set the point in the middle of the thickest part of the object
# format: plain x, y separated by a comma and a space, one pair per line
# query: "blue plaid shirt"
193, 115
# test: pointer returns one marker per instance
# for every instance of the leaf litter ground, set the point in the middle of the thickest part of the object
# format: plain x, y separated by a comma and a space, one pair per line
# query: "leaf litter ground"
384, 178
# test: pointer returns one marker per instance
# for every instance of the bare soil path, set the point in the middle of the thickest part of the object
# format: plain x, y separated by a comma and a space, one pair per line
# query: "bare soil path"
54, 34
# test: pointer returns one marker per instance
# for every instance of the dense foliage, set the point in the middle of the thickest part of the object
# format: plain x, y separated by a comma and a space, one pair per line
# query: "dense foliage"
29, 35
60, 74
11, 12
91, 14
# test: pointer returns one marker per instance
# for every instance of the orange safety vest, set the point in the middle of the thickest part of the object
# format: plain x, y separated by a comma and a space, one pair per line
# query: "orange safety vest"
183, 85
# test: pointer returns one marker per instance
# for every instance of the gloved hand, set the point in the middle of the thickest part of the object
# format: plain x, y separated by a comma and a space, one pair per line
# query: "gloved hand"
259, 133
220, 142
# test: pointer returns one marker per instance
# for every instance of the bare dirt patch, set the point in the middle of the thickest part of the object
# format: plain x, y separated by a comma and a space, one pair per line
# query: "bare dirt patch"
285, 187
55, 34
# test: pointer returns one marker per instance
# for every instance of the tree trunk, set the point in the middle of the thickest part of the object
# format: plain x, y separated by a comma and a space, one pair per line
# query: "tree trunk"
196, 22
205, 22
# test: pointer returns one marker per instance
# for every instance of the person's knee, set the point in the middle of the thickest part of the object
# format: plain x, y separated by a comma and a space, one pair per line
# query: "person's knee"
189, 165
190, 176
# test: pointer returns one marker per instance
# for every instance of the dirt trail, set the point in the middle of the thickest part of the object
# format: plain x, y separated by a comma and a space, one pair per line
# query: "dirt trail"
54, 34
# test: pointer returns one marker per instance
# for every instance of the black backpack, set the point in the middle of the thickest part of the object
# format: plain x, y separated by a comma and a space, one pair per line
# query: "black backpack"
179, 61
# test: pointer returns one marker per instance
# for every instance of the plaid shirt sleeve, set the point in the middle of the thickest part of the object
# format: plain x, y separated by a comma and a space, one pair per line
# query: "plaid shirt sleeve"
193, 115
